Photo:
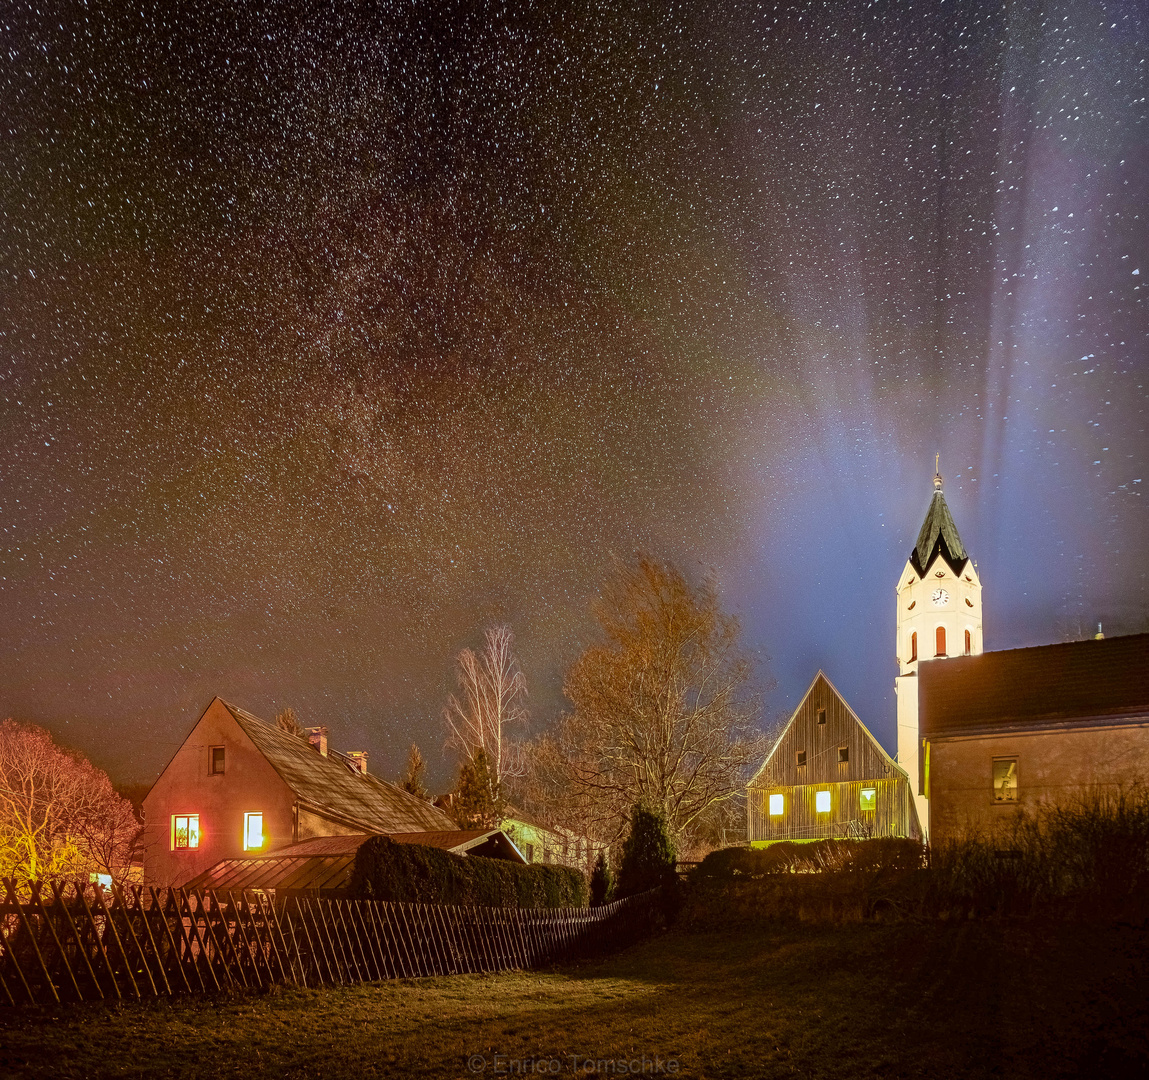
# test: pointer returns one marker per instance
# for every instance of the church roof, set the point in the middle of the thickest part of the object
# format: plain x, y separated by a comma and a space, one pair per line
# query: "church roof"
1071, 682
938, 536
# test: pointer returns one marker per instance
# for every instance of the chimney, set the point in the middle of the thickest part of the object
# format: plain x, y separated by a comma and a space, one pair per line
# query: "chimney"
317, 737
358, 760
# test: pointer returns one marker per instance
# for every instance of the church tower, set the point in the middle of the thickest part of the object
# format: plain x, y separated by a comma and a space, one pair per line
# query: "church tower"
939, 615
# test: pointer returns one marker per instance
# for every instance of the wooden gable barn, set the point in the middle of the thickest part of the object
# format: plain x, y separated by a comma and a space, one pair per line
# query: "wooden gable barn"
827, 776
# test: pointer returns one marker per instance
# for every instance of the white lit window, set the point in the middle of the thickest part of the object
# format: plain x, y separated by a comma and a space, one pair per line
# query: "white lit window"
185, 831
822, 802
252, 832
777, 805
869, 800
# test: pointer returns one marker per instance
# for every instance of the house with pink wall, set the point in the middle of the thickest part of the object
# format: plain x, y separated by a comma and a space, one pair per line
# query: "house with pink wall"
239, 787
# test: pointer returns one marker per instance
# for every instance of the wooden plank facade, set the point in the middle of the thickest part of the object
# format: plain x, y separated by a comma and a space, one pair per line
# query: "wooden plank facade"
827, 776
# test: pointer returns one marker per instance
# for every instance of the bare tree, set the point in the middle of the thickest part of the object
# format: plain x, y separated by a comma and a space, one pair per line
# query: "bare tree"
59, 815
662, 711
490, 700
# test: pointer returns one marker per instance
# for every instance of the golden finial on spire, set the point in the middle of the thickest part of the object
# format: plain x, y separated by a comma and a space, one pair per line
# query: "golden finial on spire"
937, 472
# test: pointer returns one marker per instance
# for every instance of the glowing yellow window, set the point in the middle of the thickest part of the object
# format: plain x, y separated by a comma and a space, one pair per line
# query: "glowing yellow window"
185, 831
869, 800
777, 805
822, 802
252, 832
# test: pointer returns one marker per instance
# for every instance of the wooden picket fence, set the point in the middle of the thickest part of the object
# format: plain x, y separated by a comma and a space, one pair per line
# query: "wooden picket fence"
85, 942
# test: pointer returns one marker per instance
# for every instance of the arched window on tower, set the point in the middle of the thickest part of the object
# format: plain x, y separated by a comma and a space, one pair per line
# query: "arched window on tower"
941, 649
968, 643
913, 646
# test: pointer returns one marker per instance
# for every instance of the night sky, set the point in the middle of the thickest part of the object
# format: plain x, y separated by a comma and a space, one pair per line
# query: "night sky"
330, 335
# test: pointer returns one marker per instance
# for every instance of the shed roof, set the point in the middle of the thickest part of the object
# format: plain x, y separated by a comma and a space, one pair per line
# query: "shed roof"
329, 783
325, 862
1049, 684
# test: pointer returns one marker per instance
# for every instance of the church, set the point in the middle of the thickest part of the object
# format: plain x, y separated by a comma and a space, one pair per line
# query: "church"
981, 736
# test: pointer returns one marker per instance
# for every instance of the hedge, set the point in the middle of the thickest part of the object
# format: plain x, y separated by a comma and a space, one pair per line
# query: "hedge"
786, 857
415, 873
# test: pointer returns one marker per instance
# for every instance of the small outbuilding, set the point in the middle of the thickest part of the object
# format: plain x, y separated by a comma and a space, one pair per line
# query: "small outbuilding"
827, 776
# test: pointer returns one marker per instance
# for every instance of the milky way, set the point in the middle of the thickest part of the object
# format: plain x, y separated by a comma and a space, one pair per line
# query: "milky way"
333, 335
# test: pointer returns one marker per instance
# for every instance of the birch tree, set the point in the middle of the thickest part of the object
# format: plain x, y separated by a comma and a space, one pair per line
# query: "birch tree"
490, 700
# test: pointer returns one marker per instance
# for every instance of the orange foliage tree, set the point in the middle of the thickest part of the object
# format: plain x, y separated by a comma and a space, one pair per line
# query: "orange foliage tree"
59, 815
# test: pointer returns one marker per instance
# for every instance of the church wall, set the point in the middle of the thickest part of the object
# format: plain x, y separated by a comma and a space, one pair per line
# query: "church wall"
1053, 766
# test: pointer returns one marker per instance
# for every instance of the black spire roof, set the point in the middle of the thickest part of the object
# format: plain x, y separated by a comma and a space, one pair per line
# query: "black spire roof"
939, 536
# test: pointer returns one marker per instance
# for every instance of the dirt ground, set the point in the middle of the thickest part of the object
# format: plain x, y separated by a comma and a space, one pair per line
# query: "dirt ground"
922, 1000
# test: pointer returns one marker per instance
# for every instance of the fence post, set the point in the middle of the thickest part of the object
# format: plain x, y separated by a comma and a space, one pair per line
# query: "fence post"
34, 888
118, 901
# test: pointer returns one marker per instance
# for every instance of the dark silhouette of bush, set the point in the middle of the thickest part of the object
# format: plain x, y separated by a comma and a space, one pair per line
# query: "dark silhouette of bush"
600, 881
647, 854
415, 873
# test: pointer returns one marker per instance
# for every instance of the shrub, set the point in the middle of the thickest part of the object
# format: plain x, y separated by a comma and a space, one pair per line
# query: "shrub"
647, 854
600, 881
415, 873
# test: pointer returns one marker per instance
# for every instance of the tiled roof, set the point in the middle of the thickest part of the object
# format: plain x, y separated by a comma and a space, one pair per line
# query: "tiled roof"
938, 536
327, 783
1078, 680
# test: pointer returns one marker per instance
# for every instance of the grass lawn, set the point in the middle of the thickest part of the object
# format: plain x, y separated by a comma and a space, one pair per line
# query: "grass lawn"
926, 1000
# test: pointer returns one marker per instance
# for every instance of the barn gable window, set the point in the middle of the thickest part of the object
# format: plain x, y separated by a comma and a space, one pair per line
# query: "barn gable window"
821, 716
1005, 780
868, 799
185, 831
801, 758
822, 802
777, 805
217, 760
843, 754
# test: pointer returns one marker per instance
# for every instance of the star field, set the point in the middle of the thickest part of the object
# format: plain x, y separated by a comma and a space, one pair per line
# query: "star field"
332, 334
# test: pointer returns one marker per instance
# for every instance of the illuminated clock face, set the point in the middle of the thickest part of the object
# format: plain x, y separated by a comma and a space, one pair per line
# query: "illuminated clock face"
940, 597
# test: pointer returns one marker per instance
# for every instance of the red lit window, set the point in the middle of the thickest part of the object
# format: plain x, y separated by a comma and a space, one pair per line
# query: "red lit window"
941, 649
968, 643
913, 646
185, 831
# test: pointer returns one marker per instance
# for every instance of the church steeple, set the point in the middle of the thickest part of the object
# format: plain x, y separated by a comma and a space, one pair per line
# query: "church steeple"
938, 616
938, 536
